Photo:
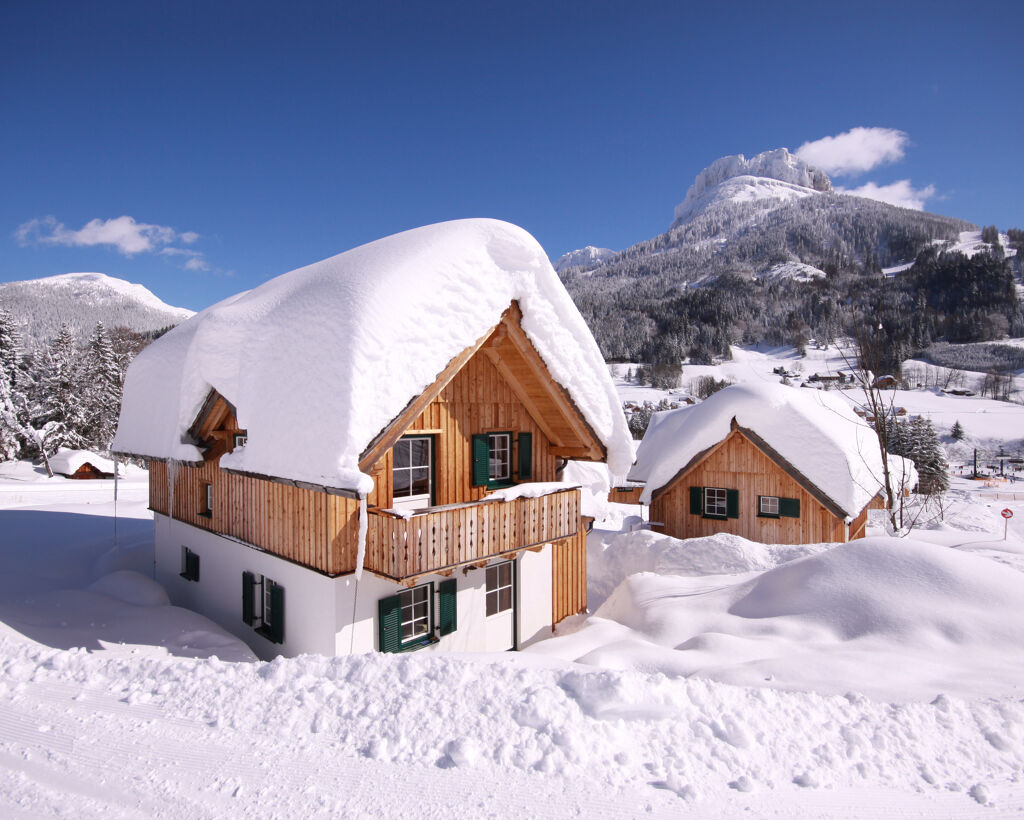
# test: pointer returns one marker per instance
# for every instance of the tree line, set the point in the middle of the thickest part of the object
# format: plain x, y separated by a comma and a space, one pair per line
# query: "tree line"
65, 394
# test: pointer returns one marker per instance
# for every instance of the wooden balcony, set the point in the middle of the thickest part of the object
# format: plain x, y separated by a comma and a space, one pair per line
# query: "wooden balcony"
440, 538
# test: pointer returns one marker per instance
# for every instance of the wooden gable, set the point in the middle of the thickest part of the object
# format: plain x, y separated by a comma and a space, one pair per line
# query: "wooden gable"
512, 354
215, 427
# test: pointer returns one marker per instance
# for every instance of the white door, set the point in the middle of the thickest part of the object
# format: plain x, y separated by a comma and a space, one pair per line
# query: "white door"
500, 623
412, 473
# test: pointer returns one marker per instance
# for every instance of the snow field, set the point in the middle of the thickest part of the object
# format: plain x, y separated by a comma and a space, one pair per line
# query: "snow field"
615, 729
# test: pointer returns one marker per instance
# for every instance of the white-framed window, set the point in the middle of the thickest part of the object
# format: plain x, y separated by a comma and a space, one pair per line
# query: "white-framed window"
416, 612
768, 505
412, 470
499, 588
715, 502
240, 440
500, 463
206, 500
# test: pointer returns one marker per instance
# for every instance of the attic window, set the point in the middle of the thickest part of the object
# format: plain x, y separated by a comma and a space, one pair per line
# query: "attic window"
768, 505
715, 502
240, 439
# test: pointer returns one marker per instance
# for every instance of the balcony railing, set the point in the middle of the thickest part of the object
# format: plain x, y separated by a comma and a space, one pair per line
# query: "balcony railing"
444, 537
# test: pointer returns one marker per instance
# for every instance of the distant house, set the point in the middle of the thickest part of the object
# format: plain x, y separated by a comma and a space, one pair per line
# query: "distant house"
770, 463
81, 464
364, 453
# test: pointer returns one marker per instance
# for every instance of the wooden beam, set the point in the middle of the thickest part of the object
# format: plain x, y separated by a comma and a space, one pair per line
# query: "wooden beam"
538, 417
570, 452
567, 408
396, 428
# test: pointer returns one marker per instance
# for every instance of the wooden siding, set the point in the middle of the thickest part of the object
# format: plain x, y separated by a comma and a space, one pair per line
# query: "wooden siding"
436, 539
569, 577
737, 464
859, 524
305, 526
477, 400
625, 495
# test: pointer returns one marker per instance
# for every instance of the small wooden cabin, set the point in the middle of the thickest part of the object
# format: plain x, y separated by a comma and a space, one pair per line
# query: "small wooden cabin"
750, 474
81, 465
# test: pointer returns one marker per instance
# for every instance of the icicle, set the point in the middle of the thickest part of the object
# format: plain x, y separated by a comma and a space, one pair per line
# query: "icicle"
361, 551
115, 502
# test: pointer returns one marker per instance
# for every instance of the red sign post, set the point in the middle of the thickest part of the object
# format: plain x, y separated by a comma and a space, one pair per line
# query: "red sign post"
1007, 514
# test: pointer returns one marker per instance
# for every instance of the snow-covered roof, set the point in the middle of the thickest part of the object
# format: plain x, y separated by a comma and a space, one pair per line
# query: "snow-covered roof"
319, 360
818, 434
66, 461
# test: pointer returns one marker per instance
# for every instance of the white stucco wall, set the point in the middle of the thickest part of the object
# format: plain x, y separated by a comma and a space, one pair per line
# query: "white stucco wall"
308, 595
336, 616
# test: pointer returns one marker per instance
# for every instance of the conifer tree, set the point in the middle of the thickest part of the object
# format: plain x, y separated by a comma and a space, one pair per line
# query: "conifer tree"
101, 390
957, 432
12, 404
58, 408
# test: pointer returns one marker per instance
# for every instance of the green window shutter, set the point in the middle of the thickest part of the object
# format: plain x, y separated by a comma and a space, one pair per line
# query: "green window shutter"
447, 619
481, 460
277, 613
248, 582
192, 566
389, 624
525, 456
696, 500
732, 503
789, 507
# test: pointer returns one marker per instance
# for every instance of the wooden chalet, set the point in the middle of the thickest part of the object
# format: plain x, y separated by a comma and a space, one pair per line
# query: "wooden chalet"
738, 480
468, 539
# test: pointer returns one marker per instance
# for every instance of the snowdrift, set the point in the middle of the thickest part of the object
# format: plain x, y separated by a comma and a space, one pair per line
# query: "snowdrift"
893, 618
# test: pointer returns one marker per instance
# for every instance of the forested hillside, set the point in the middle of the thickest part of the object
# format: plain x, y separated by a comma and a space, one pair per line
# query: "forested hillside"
714, 278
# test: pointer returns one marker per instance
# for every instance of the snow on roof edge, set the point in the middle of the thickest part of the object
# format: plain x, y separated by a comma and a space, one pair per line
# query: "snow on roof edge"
313, 344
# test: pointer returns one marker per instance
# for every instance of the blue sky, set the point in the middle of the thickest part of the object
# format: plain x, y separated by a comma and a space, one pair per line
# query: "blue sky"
239, 140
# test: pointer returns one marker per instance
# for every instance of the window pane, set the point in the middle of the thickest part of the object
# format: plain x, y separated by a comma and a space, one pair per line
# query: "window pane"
401, 482
419, 452
401, 451
420, 480
492, 603
505, 599
505, 574
492, 578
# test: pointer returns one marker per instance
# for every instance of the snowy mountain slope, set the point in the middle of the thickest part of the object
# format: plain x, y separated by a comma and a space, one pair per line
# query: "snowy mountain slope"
762, 229
586, 258
81, 300
770, 175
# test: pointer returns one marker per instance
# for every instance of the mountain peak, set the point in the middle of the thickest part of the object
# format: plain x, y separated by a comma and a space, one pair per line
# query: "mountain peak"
778, 165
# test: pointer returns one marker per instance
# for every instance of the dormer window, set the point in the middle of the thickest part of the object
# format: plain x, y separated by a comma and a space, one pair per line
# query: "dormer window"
240, 439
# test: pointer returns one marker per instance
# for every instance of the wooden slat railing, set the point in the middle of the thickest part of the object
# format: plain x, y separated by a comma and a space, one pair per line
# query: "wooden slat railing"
443, 537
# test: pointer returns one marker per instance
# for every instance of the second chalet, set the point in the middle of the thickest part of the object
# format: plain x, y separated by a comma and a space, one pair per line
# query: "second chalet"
771, 463
365, 453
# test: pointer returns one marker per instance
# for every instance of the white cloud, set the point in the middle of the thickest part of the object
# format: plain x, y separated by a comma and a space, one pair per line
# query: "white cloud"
900, 193
122, 233
195, 259
855, 151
